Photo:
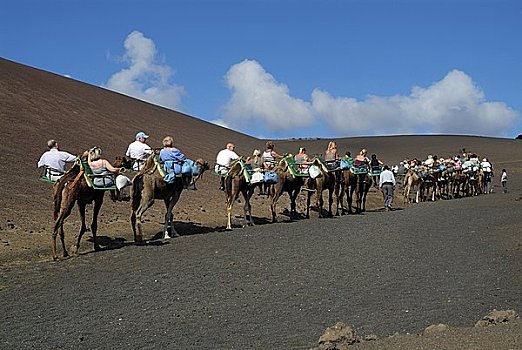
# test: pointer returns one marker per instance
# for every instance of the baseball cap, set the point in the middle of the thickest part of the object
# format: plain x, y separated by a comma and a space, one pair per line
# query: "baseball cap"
142, 135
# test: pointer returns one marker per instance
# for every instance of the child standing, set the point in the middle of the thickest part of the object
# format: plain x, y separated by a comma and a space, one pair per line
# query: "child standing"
503, 180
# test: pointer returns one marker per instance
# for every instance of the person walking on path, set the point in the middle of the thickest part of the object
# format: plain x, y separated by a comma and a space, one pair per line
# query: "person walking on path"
503, 180
387, 185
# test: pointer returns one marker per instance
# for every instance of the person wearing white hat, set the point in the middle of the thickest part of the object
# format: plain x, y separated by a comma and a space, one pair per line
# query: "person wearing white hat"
139, 151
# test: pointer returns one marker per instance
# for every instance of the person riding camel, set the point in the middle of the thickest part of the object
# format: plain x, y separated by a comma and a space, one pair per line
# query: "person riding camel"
54, 161
223, 160
270, 156
173, 159
331, 157
303, 160
106, 175
138, 151
361, 159
375, 166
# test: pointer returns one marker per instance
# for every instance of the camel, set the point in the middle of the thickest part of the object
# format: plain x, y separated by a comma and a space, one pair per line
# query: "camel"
459, 182
474, 182
443, 185
149, 185
428, 187
236, 182
348, 184
70, 189
288, 182
411, 180
486, 182
362, 186
325, 181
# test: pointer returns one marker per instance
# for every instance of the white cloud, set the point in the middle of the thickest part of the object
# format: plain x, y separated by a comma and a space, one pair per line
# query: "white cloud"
453, 105
257, 98
145, 79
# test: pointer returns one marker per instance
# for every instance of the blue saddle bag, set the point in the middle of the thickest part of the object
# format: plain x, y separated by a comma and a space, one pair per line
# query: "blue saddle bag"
271, 177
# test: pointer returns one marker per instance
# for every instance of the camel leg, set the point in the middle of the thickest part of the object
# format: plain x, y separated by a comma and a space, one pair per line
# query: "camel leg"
250, 193
365, 189
319, 200
308, 197
58, 227
169, 204
277, 191
293, 206
247, 208
340, 199
145, 204
65, 211
94, 224
83, 228
349, 199
330, 202
230, 203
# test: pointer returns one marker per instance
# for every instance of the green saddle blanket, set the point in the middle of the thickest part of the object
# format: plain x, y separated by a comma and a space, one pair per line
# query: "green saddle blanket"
295, 168
90, 178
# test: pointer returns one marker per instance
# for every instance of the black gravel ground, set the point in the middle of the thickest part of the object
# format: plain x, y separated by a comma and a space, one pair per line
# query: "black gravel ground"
276, 286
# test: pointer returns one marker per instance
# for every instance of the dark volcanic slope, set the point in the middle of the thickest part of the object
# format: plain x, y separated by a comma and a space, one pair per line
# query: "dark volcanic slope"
36, 106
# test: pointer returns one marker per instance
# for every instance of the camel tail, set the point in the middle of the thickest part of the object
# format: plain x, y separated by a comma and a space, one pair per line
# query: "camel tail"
137, 187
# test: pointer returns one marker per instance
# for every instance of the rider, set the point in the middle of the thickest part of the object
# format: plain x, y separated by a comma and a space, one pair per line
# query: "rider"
361, 159
53, 161
173, 159
139, 151
270, 156
331, 157
223, 160
487, 168
303, 160
375, 166
100, 166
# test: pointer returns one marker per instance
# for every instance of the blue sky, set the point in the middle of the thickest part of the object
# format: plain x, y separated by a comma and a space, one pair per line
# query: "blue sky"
290, 68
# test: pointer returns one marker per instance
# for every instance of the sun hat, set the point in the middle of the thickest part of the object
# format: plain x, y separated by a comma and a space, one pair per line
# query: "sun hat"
256, 152
142, 135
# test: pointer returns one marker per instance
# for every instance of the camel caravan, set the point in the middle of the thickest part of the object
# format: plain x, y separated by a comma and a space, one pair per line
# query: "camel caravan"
165, 173
445, 178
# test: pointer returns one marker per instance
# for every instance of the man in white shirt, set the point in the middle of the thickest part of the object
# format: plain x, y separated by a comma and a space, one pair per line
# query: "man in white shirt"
139, 151
387, 185
53, 161
223, 160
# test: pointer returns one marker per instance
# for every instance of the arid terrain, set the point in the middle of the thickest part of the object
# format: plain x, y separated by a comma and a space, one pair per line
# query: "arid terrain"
36, 106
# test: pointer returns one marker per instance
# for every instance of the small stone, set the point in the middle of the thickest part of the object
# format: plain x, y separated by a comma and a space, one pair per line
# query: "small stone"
435, 328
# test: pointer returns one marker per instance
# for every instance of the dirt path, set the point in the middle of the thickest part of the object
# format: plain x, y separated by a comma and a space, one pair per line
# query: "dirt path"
277, 286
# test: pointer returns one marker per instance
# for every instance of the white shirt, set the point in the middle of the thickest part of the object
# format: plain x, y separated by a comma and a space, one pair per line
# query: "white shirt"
486, 166
503, 177
386, 176
138, 150
225, 157
56, 159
